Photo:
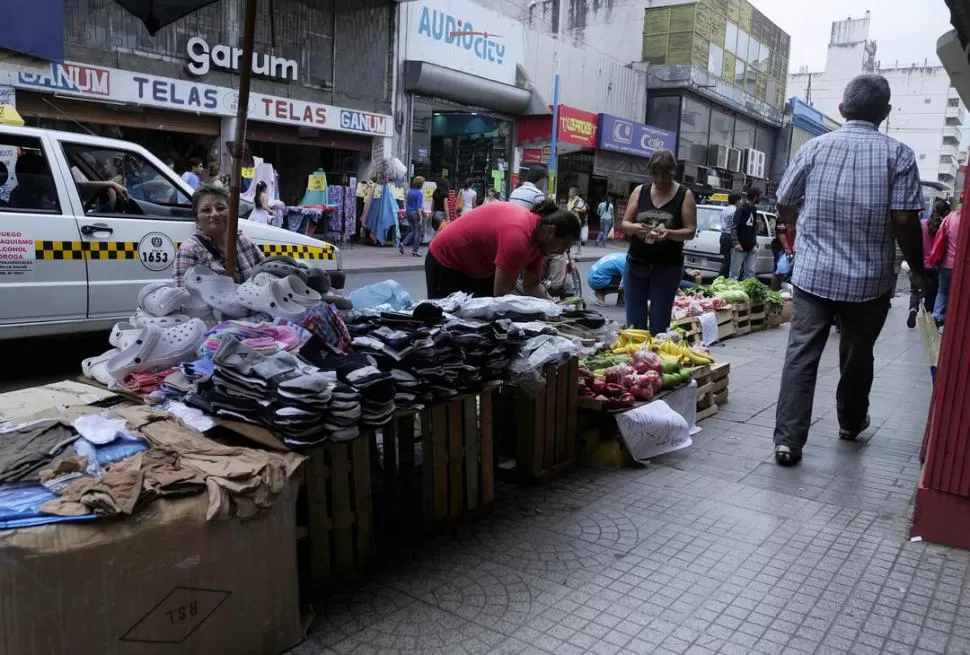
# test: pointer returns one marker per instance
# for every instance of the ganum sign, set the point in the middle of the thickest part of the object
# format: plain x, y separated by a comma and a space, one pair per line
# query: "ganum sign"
202, 59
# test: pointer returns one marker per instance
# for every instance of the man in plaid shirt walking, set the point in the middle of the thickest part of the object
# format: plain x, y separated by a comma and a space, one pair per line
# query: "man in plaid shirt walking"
855, 193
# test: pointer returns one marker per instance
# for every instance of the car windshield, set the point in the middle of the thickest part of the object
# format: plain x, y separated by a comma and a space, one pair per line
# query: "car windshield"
709, 218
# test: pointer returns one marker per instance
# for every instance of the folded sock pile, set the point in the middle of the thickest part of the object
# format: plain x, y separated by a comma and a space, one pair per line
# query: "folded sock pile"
279, 391
268, 337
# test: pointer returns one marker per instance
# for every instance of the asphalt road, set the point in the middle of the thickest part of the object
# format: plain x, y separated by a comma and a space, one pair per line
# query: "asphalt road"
30, 362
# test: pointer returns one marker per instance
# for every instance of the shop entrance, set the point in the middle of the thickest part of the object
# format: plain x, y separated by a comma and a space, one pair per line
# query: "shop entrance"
460, 144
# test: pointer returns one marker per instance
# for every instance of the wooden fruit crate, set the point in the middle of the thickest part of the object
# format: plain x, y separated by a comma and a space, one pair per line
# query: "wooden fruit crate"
337, 510
438, 465
758, 317
742, 318
539, 426
720, 379
692, 326
727, 327
706, 407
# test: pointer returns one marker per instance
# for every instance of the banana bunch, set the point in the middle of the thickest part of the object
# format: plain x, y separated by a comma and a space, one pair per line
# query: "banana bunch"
684, 353
630, 341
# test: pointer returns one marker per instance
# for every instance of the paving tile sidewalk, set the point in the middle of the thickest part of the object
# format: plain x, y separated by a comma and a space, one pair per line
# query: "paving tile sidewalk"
714, 549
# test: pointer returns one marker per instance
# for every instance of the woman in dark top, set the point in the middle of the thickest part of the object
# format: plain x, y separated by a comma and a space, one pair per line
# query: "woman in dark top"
439, 204
659, 218
414, 211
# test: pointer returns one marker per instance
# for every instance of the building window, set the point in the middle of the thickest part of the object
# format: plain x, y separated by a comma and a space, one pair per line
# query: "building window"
763, 58
739, 73
922, 155
715, 59
722, 128
743, 40
664, 112
754, 52
731, 38
744, 134
927, 101
953, 102
771, 90
692, 140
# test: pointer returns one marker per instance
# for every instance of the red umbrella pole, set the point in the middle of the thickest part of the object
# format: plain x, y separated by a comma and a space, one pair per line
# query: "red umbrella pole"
242, 110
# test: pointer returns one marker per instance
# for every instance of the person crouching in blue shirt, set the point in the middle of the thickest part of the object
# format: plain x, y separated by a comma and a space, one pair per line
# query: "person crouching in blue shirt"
606, 276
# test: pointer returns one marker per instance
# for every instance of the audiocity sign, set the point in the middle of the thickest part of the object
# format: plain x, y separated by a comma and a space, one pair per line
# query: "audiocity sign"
202, 59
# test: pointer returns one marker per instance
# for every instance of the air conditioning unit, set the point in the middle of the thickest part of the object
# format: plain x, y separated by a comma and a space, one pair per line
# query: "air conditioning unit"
754, 163
697, 154
717, 156
734, 160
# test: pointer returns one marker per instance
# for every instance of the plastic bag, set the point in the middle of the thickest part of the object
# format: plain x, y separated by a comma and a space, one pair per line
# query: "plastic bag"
489, 308
536, 354
387, 292
653, 429
784, 266
584, 234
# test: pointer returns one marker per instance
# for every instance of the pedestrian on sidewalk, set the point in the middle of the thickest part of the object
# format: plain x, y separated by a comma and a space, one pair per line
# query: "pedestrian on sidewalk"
744, 237
848, 195
606, 276
727, 227
533, 191
659, 218
605, 210
414, 214
468, 197
578, 206
484, 252
949, 231
930, 226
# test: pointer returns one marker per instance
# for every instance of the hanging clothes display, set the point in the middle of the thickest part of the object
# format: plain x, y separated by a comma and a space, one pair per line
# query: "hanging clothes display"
381, 216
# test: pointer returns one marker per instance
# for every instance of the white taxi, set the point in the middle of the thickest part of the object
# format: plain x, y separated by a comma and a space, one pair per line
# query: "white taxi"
72, 255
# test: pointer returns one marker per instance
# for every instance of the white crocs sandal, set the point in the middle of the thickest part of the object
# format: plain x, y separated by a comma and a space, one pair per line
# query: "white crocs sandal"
143, 319
274, 299
158, 348
217, 291
95, 368
262, 279
162, 299
122, 334
300, 292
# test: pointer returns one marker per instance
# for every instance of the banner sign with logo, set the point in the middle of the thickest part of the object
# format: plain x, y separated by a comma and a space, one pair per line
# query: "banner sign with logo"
576, 126
97, 83
631, 138
463, 36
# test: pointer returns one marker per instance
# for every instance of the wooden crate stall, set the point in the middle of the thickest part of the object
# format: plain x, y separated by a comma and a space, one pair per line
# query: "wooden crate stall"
742, 318
539, 426
727, 327
758, 317
439, 465
692, 326
336, 509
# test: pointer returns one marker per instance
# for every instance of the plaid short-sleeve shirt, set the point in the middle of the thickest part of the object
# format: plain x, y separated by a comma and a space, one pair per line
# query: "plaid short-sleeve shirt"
200, 249
847, 183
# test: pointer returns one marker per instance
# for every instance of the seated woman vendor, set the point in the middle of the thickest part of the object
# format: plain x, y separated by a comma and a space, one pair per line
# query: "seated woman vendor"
208, 246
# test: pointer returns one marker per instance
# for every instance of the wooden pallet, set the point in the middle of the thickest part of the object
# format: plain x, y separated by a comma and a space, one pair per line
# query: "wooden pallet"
706, 407
439, 465
339, 522
727, 327
542, 424
692, 326
758, 317
742, 318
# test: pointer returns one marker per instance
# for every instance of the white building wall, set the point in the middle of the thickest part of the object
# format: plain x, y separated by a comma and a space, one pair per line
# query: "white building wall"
921, 116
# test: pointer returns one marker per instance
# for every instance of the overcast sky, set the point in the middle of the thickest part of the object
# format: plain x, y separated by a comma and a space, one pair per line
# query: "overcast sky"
906, 30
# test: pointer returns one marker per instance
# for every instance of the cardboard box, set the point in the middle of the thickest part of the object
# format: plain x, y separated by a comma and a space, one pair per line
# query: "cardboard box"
163, 581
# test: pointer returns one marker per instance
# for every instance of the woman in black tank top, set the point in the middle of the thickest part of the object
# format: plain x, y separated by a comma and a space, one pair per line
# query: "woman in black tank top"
659, 218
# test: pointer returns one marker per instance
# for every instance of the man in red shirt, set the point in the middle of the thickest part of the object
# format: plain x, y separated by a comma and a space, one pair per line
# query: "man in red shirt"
484, 251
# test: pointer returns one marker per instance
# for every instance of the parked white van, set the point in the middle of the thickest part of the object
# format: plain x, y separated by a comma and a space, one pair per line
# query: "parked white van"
72, 259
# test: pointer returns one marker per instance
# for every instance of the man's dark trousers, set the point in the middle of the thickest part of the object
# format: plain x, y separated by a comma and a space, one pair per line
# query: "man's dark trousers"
727, 248
811, 324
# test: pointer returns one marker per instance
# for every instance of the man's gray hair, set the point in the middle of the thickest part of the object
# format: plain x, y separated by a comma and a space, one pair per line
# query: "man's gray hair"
866, 98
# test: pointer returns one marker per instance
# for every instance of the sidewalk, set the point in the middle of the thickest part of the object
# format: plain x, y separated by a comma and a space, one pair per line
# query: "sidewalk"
365, 258
714, 549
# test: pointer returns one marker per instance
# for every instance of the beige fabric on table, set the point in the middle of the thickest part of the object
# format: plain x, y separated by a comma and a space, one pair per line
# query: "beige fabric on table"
240, 481
113, 494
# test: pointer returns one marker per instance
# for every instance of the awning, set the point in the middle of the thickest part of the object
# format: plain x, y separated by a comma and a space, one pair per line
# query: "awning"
437, 81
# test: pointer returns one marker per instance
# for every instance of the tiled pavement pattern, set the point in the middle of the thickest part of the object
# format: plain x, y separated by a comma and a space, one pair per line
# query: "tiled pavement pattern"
711, 550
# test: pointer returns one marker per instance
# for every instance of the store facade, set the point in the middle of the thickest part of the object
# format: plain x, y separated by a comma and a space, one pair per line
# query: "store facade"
623, 150
576, 144
800, 123
175, 93
461, 92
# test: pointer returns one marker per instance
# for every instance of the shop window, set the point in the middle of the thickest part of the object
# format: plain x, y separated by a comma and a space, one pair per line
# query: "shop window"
26, 183
151, 193
715, 59
731, 38
744, 134
694, 121
664, 112
722, 128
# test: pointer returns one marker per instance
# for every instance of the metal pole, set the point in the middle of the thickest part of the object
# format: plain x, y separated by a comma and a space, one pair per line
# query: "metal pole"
555, 130
242, 110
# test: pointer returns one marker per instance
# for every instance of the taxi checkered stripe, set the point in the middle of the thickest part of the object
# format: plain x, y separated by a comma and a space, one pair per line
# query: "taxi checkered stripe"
297, 252
54, 250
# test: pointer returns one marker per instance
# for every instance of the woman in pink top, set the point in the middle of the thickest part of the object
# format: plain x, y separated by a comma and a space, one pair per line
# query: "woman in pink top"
931, 226
951, 230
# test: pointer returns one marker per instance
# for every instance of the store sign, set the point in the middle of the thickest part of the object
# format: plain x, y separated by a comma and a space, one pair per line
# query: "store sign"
202, 59
577, 126
464, 36
183, 95
630, 138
